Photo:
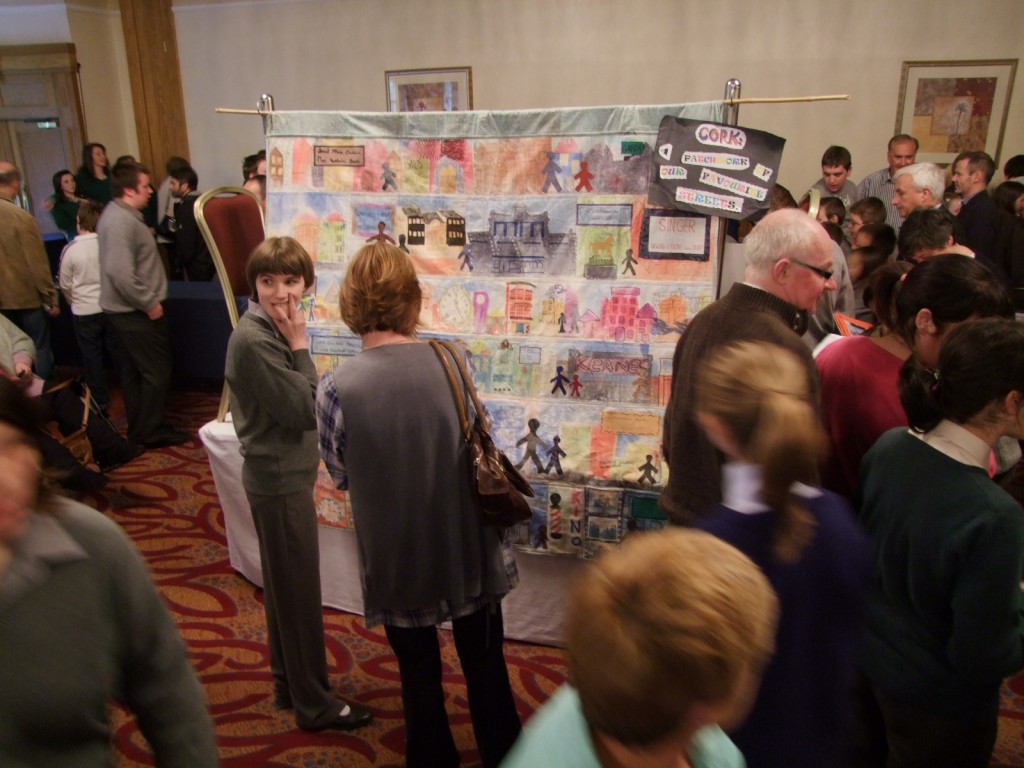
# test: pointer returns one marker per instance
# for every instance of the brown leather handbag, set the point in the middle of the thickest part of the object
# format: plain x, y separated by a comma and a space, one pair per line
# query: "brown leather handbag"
497, 485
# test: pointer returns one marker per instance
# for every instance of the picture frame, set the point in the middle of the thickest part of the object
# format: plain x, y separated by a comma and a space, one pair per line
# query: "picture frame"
449, 89
955, 106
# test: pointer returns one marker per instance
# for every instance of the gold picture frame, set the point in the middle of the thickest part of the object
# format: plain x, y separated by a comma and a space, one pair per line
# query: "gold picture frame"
955, 106
429, 90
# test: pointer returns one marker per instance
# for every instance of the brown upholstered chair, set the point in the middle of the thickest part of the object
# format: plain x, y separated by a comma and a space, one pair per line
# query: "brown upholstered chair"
231, 220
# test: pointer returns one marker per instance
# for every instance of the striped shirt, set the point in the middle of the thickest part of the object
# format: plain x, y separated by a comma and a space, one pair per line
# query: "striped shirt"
880, 184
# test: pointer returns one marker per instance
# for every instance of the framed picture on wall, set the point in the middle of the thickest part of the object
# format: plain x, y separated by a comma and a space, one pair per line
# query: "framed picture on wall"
955, 106
430, 90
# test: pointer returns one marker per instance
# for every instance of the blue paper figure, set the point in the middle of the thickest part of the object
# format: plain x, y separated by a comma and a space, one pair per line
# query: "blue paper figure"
555, 453
560, 380
551, 171
389, 178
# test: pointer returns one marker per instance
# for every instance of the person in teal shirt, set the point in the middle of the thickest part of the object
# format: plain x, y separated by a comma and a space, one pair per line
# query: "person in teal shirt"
667, 637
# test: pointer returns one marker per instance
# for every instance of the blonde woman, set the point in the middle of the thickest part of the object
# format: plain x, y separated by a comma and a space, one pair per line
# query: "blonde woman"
753, 402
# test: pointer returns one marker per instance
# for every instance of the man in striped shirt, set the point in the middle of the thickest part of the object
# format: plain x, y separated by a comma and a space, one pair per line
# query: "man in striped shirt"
902, 152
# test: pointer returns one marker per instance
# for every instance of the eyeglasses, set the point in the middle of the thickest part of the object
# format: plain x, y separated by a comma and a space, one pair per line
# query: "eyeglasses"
825, 274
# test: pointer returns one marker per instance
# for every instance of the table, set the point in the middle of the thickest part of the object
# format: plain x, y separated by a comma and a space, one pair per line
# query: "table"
533, 612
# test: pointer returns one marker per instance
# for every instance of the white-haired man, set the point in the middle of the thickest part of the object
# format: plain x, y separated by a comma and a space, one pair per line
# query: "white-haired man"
789, 267
918, 187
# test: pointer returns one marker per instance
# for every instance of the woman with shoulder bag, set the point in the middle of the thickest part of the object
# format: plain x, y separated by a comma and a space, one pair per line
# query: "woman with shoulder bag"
390, 434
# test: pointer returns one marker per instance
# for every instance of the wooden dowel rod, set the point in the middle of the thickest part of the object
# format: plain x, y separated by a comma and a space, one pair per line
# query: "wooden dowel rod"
786, 99
228, 111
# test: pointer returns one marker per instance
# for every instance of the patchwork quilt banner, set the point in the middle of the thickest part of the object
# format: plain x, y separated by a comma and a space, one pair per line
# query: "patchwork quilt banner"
538, 249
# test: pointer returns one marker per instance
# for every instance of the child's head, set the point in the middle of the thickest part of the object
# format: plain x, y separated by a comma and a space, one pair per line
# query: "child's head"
835, 232
278, 256
832, 209
940, 293
754, 403
862, 262
980, 379
879, 235
869, 210
88, 215
836, 164
665, 629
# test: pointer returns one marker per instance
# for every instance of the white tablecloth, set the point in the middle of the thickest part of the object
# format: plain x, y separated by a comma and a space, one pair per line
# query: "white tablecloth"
533, 612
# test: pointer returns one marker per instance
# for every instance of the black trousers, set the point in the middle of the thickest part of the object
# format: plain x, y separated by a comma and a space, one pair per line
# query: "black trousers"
290, 562
478, 640
145, 350
889, 734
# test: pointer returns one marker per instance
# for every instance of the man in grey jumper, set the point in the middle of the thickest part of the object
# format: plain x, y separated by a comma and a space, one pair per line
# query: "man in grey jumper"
133, 286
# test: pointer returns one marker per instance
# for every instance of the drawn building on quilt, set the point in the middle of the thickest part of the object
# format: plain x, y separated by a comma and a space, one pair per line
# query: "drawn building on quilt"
518, 307
518, 242
331, 245
306, 229
619, 314
276, 167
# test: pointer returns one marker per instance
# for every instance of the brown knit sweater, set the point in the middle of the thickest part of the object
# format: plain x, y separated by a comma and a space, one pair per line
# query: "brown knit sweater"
745, 313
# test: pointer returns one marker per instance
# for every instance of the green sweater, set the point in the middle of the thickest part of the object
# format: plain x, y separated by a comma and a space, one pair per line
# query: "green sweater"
272, 396
945, 624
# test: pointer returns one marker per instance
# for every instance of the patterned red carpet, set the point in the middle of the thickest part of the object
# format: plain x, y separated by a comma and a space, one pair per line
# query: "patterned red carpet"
167, 503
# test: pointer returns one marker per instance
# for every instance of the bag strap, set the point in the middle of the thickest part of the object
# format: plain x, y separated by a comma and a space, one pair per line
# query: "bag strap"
467, 380
460, 404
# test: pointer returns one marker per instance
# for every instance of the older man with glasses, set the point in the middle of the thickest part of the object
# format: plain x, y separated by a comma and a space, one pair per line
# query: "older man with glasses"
789, 268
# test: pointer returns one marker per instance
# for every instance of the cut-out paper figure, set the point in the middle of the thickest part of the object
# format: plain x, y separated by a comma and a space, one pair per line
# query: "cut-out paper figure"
467, 260
583, 178
647, 470
575, 385
541, 540
560, 380
401, 244
551, 171
629, 263
532, 441
389, 177
561, 322
555, 516
312, 307
381, 235
555, 453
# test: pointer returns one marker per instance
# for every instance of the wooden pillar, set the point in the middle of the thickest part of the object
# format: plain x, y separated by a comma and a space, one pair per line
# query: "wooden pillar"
152, 48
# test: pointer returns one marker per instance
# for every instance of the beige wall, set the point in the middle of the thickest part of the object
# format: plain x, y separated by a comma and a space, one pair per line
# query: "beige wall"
332, 54
106, 90
541, 53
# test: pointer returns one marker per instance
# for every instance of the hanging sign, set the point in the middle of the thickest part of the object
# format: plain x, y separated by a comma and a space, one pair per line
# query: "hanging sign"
713, 169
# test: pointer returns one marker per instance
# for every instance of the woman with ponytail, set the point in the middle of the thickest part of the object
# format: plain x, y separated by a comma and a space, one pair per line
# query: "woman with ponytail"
944, 626
754, 404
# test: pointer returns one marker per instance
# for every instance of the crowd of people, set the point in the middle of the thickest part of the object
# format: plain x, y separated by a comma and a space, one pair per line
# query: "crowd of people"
839, 584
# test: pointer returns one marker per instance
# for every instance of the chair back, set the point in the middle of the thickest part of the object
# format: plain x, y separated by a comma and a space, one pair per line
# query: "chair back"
231, 220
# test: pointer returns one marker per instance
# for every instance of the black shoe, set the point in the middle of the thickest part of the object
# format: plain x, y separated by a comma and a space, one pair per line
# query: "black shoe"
357, 717
131, 451
167, 438
82, 479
